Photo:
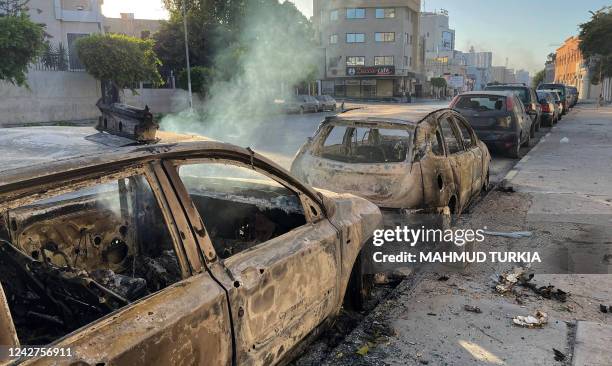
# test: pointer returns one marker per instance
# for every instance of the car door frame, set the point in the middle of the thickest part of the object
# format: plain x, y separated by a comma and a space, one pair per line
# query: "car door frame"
136, 333
247, 275
478, 174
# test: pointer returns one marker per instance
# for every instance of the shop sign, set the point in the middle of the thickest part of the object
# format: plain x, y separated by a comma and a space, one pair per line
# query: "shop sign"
370, 70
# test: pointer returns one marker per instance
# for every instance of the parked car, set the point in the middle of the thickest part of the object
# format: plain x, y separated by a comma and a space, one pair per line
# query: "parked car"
182, 251
299, 104
558, 102
326, 103
424, 161
529, 98
573, 91
550, 109
563, 94
498, 117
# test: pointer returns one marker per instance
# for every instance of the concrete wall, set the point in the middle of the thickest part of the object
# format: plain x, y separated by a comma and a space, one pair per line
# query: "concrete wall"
159, 100
53, 96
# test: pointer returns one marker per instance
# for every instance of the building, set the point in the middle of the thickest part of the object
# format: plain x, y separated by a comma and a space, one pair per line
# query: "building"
126, 24
434, 26
66, 21
482, 60
522, 76
572, 69
370, 50
502, 74
549, 68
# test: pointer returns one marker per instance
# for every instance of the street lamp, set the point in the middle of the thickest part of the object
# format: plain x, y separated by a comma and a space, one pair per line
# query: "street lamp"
187, 55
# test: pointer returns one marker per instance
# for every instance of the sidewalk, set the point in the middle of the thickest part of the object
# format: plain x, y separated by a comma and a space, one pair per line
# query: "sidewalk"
562, 194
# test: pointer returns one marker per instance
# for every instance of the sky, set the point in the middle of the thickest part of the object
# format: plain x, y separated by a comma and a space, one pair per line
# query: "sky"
524, 31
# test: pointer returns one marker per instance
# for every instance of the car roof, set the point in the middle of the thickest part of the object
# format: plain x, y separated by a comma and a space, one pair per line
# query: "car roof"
515, 86
385, 116
504, 93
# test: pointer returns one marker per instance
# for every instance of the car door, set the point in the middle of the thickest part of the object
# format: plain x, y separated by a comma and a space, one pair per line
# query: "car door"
281, 283
469, 142
436, 171
523, 119
187, 322
460, 160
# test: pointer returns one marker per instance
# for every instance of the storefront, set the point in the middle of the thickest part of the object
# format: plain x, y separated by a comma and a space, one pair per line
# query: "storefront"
365, 82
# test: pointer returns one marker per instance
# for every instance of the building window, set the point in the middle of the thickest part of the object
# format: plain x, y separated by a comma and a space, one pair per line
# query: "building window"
333, 39
355, 13
382, 13
383, 60
355, 61
333, 15
355, 37
385, 37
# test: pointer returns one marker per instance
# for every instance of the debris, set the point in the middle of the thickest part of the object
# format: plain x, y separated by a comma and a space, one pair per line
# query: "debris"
603, 308
531, 321
473, 309
512, 235
362, 351
559, 356
432, 314
507, 280
443, 278
506, 189
547, 292
564, 140
424, 362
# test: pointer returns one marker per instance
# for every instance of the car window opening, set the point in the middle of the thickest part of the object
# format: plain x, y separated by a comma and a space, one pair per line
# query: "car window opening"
356, 145
240, 208
68, 260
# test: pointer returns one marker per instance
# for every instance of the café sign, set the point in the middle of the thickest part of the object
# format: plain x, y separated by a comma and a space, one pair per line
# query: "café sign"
370, 70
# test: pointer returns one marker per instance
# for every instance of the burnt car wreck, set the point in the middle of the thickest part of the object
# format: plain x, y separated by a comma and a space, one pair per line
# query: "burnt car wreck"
421, 161
181, 251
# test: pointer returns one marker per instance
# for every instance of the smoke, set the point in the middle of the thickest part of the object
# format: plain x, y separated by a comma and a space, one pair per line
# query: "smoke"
274, 52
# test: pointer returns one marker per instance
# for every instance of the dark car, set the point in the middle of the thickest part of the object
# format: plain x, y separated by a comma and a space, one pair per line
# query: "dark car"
573, 91
563, 93
529, 98
326, 103
498, 117
550, 109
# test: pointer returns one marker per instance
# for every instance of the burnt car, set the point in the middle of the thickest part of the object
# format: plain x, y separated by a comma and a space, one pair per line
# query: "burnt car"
498, 117
182, 251
422, 161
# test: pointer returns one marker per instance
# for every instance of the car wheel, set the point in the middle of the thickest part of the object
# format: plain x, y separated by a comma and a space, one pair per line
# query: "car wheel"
359, 286
532, 131
485, 185
528, 141
537, 127
515, 150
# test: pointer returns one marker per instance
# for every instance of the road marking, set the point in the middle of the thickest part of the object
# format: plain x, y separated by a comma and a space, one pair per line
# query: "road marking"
525, 158
511, 174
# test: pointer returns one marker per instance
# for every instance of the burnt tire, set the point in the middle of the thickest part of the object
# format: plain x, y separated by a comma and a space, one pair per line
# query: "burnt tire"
359, 287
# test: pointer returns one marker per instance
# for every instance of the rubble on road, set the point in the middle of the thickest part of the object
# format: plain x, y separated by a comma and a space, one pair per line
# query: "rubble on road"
472, 309
531, 321
521, 276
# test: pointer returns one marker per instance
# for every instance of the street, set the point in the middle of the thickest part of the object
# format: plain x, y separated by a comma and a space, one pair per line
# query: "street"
560, 194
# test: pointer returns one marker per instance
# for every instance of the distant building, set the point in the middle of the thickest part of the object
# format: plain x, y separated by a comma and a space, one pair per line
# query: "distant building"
549, 68
434, 26
370, 48
66, 21
128, 25
572, 69
522, 76
479, 59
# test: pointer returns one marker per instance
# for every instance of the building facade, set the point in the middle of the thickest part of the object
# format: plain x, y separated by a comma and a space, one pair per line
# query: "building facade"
568, 61
435, 28
128, 25
66, 21
522, 76
370, 48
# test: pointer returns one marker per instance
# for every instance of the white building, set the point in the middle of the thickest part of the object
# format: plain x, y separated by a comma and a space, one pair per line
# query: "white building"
522, 76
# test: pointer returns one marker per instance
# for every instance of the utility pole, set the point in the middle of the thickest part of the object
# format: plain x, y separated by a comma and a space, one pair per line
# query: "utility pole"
187, 55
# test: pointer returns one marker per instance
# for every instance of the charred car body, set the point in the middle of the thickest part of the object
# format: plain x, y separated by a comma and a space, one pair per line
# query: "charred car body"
434, 162
179, 252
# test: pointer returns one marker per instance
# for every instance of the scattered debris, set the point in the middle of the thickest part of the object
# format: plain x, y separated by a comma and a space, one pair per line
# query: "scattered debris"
362, 351
603, 308
520, 276
443, 278
506, 189
547, 292
607, 258
432, 314
559, 356
512, 235
564, 140
531, 321
473, 309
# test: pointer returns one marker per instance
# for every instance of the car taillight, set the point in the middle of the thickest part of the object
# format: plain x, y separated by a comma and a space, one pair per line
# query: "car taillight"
454, 101
509, 104
504, 121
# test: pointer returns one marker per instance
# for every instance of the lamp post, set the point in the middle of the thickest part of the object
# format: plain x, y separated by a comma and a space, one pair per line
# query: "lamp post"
187, 55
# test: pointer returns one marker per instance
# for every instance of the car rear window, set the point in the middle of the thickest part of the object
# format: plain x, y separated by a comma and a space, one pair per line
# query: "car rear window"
556, 87
481, 102
522, 93
350, 144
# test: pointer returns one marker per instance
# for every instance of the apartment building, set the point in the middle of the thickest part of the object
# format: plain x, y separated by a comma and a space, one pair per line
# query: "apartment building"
128, 25
370, 47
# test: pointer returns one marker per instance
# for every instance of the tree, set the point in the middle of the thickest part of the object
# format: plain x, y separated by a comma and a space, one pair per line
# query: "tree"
595, 43
21, 41
538, 78
122, 60
438, 83
201, 78
13, 7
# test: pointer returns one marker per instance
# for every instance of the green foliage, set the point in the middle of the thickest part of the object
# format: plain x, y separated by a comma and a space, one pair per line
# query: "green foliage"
123, 60
438, 82
595, 43
13, 7
55, 58
201, 78
21, 41
538, 78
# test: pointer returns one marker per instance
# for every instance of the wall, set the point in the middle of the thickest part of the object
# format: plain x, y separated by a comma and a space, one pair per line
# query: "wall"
53, 96
159, 100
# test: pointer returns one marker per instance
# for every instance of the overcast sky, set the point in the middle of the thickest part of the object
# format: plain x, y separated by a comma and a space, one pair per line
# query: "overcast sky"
524, 31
